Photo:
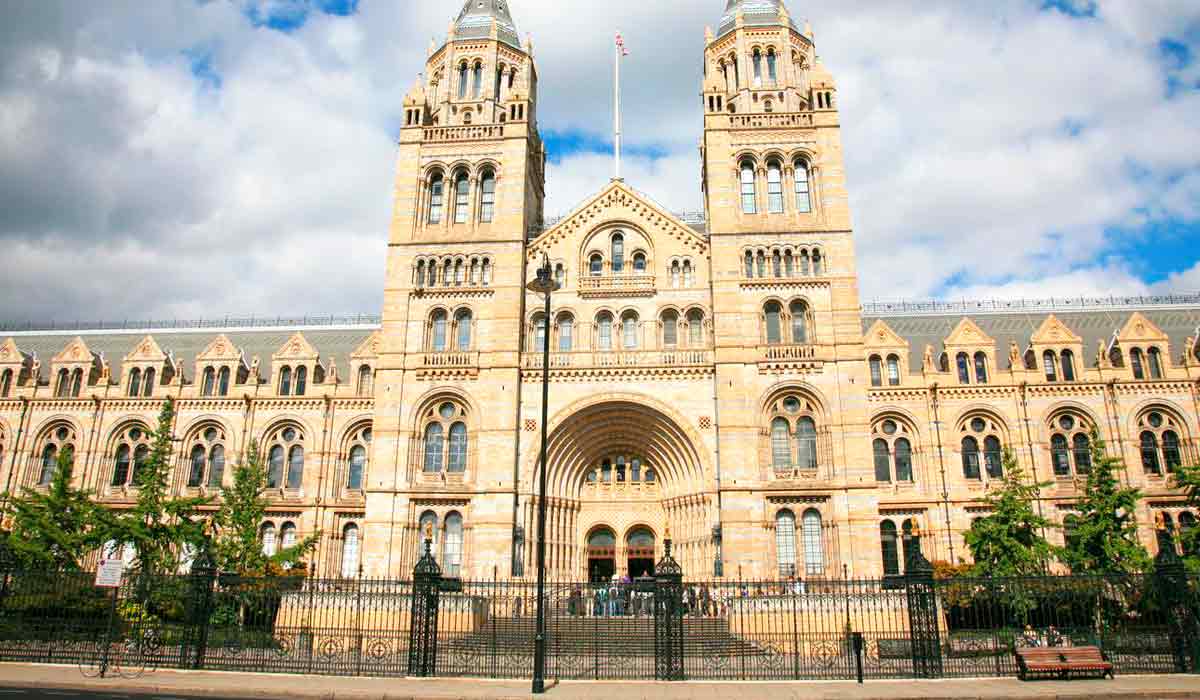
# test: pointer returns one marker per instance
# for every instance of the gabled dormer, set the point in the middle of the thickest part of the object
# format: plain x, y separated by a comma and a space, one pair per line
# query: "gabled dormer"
970, 354
220, 367
15, 368
145, 369
1142, 349
887, 355
74, 369
363, 363
295, 366
1057, 351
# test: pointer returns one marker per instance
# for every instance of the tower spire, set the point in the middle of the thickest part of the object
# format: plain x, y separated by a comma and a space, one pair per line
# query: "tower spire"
478, 17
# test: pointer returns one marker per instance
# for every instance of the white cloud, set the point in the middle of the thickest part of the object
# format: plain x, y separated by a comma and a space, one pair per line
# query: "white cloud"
988, 144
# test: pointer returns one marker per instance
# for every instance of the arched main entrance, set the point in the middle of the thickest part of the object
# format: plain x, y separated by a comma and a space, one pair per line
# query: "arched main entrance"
639, 552
601, 555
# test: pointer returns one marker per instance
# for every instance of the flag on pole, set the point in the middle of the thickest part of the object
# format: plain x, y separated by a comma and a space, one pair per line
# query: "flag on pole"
621, 44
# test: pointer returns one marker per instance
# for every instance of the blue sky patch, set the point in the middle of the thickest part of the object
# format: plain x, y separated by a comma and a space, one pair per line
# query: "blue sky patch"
561, 144
289, 15
200, 61
1074, 8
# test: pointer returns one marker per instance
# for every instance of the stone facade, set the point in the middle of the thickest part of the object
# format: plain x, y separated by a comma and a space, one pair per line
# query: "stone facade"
717, 382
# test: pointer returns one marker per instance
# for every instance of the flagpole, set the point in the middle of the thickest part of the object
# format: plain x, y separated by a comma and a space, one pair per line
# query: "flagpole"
617, 49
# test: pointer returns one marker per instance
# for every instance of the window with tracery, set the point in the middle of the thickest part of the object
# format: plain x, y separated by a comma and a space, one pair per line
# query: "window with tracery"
285, 458
366, 380
1162, 437
1070, 444
131, 449
982, 450
58, 440
792, 422
446, 439
206, 457
356, 460
892, 447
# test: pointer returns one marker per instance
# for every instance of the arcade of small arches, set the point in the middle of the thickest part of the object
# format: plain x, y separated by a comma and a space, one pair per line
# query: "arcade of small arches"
449, 330
460, 194
765, 68
787, 322
453, 271
776, 176
622, 330
783, 262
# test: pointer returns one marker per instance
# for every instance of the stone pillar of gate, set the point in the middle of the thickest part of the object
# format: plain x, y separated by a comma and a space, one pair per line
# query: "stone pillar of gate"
1183, 619
423, 622
922, 610
668, 616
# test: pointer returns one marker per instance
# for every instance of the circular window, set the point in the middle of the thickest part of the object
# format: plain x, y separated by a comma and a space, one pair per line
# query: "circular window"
366, 435
889, 427
447, 410
135, 434
210, 434
1156, 420
1067, 423
289, 434
791, 404
63, 433
978, 425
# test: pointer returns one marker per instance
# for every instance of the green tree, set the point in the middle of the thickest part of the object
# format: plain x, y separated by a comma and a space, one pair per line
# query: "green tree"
1104, 539
237, 548
57, 529
1009, 542
159, 526
1187, 479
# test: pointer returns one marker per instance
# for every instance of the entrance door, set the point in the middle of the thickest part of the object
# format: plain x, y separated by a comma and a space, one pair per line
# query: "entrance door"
639, 547
601, 555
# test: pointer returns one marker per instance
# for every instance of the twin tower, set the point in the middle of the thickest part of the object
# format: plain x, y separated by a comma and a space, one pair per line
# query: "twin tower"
703, 374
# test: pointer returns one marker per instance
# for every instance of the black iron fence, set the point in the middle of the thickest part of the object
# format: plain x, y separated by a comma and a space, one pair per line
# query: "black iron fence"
645, 629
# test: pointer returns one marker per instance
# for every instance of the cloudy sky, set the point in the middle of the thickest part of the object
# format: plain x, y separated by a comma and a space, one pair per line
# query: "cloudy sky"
195, 158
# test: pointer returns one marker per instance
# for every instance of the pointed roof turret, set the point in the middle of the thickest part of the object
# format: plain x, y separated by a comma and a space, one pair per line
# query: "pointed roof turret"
477, 17
755, 13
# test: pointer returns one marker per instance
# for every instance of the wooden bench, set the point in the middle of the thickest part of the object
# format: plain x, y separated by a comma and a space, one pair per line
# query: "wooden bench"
1062, 662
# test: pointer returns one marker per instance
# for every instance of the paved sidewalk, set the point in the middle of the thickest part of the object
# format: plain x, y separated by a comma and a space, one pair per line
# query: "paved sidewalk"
258, 685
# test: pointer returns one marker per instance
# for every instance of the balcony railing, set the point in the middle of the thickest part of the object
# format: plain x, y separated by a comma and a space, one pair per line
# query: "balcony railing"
757, 121
612, 359
616, 285
464, 133
438, 360
788, 353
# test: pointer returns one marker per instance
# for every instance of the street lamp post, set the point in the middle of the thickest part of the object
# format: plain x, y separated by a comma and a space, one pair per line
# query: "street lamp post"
544, 284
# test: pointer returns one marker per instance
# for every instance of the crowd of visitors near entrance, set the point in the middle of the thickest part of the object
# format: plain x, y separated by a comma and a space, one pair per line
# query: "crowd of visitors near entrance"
626, 597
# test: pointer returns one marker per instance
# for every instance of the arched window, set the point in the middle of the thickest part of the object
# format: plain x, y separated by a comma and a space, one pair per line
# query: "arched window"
1068, 366
1135, 362
487, 197
893, 365
267, 537
462, 325
539, 332
876, 370
199, 464
964, 368
816, 262
749, 265
981, 373
433, 448
147, 383
427, 529
757, 56
596, 265
687, 274
1083, 453
806, 443
356, 467
888, 544
799, 313
135, 382
883, 462
762, 264
785, 542
639, 263
210, 382
772, 313
566, 332
1060, 455
458, 449
670, 329
993, 457
462, 80
6, 383
1156, 367
301, 380
629, 323
121, 466
477, 81
781, 448
771, 74
350, 548
1150, 463
904, 470
63, 385
747, 180
604, 324
618, 254
462, 193
287, 536
295, 476
695, 328
438, 324
275, 467
912, 540
1050, 364
285, 381
970, 458
452, 543
789, 264
675, 274
437, 201
223, 382
1171, 455
216, 467
775, 194
366, 381
803, 195
814, 547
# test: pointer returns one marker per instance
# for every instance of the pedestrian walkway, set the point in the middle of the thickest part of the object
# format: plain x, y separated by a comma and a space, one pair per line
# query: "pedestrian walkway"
258, 685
